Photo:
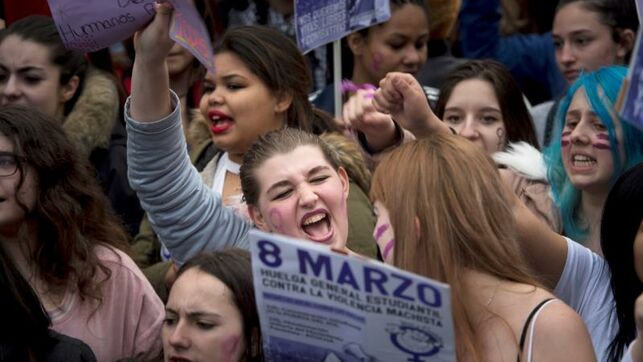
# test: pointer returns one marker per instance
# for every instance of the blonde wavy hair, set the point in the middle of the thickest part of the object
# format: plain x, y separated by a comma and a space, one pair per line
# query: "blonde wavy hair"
452, 194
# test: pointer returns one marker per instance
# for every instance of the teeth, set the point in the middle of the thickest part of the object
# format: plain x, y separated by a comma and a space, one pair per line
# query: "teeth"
583, 161
314, 219
582, 158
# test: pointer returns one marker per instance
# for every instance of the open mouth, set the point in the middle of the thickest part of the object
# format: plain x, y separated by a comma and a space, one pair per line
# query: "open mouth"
583, 161
317, 226
220, 122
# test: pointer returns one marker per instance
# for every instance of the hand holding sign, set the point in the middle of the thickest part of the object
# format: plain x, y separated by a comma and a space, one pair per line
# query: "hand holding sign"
90, 25
153, 42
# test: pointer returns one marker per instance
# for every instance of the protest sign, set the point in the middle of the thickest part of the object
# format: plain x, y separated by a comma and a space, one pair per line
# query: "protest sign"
320, 22
189, 30
631, 109
90, 25
318, 305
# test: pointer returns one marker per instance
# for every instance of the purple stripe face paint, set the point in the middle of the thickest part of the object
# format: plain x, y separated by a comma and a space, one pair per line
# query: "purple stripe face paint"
388, 248
380, 231
600, 144
565, 139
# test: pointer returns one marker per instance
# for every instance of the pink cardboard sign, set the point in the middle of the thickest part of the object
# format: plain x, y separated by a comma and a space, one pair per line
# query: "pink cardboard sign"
189, 30
90, 25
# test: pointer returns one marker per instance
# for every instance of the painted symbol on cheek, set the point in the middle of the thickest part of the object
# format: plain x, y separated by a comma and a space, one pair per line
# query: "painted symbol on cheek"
380, 231
230, 347
601, 144
388, 248
500, 132
276, 220
565, 140
377, 61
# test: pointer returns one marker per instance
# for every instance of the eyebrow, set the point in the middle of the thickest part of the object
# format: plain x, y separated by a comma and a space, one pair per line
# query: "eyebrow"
227, 77
580, 32
405, 36
310, 172
578, 113
574, 113
25, 69
194, 314
484, 109
490, 109
575, 33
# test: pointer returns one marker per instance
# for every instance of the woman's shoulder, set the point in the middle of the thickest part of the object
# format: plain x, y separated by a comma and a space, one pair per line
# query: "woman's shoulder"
118, 261
555, 332
547, 328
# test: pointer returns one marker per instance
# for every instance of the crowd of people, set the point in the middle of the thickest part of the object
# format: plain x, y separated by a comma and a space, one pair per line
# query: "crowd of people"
128, 187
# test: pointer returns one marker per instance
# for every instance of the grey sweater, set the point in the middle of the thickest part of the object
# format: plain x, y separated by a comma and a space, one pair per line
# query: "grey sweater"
187, 215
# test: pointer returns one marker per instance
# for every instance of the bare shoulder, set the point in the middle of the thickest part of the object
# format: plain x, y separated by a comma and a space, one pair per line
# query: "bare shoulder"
559, 334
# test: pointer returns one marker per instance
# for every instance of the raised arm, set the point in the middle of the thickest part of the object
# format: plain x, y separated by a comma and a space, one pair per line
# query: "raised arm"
186, 214
378, 129
150, 99
545, 250
401, 96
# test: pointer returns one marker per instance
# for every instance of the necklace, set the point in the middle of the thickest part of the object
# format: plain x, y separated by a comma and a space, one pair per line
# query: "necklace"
493, 295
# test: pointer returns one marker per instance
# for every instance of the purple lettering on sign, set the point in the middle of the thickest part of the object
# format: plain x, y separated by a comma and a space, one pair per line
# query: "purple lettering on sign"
96, 24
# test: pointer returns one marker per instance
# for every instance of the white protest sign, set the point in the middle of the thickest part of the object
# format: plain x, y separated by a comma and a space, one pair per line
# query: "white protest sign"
318, 305
320, 22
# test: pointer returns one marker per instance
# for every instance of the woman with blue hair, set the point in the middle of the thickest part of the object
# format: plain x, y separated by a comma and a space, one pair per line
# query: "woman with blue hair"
593, 147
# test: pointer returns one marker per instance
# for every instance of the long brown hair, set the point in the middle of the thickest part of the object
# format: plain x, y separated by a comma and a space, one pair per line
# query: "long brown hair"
71, 214
455, 194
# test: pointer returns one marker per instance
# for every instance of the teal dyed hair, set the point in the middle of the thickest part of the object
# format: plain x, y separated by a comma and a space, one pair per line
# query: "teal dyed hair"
602, 89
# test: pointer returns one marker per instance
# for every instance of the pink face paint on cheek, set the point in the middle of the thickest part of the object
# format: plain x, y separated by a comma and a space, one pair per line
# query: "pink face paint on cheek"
388, 248
600, 145
276, 220
377, 61
565, 139
229, 348
380, 231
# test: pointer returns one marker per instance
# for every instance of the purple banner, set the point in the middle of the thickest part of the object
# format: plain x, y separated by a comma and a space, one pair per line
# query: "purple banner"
320, 22
90, 25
